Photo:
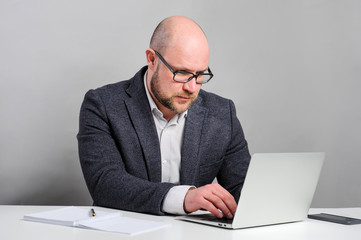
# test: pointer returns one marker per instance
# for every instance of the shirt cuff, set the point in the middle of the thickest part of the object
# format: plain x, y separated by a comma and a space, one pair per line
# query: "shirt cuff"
174, 200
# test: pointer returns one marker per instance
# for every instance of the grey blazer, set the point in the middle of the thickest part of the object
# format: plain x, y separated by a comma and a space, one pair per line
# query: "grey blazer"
120, 154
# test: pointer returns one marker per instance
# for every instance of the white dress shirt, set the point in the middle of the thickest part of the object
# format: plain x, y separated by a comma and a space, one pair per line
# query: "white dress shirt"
170, 135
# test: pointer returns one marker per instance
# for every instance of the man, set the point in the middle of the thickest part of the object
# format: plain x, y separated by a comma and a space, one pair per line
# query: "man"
156, 142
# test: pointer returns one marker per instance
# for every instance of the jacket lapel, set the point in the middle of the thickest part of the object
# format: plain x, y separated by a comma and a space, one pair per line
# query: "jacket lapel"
191, 143
142, 119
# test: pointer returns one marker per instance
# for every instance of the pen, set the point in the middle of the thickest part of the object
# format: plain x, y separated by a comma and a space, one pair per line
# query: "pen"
92, 212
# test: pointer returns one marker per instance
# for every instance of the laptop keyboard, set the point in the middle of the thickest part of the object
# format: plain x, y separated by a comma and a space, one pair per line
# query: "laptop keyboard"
220, 220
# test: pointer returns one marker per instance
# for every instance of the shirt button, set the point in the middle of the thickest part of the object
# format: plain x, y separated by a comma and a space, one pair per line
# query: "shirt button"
164, 161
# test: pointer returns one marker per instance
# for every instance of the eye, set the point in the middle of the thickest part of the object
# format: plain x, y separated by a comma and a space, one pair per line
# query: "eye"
183, 73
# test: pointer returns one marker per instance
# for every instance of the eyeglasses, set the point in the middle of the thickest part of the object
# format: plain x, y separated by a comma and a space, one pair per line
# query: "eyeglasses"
184, 76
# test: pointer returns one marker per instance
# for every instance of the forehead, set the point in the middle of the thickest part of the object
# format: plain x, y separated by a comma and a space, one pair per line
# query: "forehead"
185, 44
191, 60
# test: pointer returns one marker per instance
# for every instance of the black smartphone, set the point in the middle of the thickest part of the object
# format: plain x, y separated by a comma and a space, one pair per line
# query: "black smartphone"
335, 218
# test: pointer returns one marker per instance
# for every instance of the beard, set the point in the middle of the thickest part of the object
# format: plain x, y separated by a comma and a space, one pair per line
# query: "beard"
168, 101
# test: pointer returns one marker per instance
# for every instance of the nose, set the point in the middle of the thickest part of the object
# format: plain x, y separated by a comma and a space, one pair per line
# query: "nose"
190, 86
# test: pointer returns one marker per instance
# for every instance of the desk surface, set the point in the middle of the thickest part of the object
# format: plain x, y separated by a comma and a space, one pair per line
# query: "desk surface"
13, 227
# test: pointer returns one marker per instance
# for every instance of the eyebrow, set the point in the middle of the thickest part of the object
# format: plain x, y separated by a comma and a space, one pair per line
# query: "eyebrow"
175, 68
188, 70
203, 70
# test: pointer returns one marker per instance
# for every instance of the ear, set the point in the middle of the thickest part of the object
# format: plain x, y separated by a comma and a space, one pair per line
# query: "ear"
150, 54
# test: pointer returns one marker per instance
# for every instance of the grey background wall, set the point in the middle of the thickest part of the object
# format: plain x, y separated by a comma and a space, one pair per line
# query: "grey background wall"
292, 67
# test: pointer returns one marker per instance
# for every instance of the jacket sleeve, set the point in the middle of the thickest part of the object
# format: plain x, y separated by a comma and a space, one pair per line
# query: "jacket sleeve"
106, 175
236, 159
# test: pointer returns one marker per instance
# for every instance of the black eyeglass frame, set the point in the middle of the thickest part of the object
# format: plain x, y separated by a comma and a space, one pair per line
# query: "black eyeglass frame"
185, 72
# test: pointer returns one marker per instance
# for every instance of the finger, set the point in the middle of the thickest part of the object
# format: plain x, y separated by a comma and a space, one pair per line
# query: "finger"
220, 205
209, 206
213, 198
226, 197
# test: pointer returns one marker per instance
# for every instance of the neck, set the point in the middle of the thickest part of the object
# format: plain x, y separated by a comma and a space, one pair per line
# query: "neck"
167, 113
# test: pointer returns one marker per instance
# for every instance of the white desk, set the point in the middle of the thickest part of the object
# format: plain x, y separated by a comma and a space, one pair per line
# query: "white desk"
12, 227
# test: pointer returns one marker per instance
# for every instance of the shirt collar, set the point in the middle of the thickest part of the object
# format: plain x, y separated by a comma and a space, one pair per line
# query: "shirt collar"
153, 106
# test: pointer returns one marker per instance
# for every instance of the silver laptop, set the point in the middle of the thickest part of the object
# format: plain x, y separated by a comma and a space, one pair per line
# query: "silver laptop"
278, 188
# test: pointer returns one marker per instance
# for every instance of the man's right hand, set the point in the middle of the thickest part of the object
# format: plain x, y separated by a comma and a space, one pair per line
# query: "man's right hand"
213, 198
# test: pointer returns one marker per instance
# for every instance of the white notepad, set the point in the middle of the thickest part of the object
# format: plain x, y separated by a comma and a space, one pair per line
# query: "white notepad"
104, 221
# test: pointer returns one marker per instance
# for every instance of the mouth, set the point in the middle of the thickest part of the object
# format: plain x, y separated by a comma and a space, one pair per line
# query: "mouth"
184, 98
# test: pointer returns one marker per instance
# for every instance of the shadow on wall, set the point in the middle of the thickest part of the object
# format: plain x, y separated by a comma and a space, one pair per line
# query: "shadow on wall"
58, 182
55, 191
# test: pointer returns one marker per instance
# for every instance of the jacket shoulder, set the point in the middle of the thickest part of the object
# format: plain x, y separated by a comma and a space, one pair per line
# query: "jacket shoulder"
214, 103
113, 89
123, 89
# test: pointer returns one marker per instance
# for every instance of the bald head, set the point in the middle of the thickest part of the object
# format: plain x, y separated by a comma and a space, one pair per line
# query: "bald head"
183, 47
175, 32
